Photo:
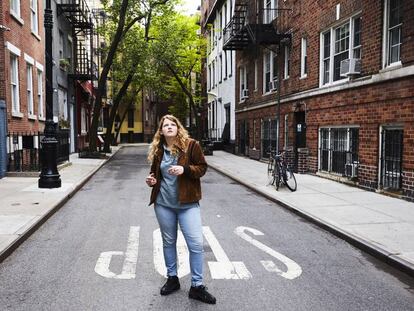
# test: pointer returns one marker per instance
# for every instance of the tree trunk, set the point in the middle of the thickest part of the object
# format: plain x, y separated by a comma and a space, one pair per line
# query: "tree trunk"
117, 101
122, 120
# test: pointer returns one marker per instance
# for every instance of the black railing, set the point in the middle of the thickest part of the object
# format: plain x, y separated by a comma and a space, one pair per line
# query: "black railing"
338, 148
391, 159
24, 150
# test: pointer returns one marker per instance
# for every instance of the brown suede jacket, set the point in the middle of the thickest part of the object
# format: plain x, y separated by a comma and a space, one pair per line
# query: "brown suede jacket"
195, 166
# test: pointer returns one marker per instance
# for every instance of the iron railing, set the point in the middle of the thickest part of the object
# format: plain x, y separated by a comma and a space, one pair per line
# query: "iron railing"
391, 159
24, 150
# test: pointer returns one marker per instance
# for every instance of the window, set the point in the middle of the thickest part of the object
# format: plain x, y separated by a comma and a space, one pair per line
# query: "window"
393, 25
337, 147
146, 115
269, 72
14, 83
304, 59
220, 68
34, 17
269, 10
213, 74
269, 136
221, 24
243, 82
15, 7
255, 75
63, 104
225, 65
40, 94
339, 43
231, 63
29, 79
61, 45
287, 62
209, 77
225, 14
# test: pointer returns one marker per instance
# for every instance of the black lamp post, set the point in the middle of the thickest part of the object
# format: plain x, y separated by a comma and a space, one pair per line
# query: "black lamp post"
49, 176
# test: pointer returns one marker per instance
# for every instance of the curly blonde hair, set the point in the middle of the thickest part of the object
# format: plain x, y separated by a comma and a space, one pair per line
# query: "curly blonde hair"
158, 141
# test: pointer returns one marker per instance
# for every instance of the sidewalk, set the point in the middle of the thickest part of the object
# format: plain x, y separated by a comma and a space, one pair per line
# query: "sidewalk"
24, 206
378, 224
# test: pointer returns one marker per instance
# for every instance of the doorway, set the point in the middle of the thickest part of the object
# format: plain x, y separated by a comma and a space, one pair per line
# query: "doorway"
300, 134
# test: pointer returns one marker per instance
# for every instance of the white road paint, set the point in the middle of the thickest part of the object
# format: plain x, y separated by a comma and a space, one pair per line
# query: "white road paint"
130, 261
183, 263
223, 268
293, 269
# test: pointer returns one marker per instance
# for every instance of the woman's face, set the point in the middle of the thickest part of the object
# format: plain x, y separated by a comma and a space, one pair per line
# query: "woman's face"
169, 128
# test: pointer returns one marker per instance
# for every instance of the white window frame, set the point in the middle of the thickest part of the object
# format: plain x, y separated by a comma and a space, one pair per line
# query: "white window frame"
29, 91
220, 68
286, 71
268, 56
40, 93
269, 10
15, 9
304, 58
330, 59
386, 39
256, 69
15, 85
34, 16
243, 81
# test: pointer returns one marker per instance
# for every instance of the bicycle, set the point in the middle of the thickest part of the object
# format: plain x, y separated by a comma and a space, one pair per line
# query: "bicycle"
279, 171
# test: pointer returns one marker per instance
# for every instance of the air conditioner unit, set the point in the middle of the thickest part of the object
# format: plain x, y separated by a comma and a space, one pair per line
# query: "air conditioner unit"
245, 94
350, 66
351, 169
273, 85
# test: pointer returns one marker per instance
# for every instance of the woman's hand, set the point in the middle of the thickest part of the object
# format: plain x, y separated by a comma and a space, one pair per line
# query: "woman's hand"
151, 180
176, 170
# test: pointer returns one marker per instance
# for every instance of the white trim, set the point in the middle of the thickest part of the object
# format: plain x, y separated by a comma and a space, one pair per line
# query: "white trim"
13, 49
303, 53
32, 117
17, 114
345, 85
29, 59
16, 16
36, 36
39, 66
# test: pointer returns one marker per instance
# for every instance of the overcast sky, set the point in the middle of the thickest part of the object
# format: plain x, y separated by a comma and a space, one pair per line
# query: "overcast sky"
190, 6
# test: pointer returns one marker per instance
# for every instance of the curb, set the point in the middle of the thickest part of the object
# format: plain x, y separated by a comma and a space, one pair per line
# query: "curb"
25, 235
364, 245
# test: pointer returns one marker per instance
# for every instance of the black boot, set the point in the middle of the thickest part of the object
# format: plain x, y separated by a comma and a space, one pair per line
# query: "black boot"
170, 286
201, 293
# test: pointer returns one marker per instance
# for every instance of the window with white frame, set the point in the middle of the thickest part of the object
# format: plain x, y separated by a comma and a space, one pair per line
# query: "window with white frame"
14, 82
231, 63
270, 71
34, 16
339, 43
209, 77
225, 14
15, 7
304, 58
243, 83
29, 81
40, 94
255, 75
213, 75
393, 28
220, 68
221, 24
225, 65
287, 62
269, 10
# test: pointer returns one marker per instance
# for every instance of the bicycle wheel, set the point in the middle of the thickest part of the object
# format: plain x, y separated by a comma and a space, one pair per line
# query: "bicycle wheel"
278, 176
289, 179
270, 171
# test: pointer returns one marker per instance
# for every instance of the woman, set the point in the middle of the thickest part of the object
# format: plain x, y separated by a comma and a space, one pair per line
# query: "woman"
177, 165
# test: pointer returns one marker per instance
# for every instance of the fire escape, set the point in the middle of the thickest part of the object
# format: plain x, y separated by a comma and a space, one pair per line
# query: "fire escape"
247, 27
78, 14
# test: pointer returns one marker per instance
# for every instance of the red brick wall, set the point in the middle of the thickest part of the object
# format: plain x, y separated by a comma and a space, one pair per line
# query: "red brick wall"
2, 70
21, 37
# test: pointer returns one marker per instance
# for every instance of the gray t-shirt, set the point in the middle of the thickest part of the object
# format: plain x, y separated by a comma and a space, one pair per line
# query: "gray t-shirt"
168, 195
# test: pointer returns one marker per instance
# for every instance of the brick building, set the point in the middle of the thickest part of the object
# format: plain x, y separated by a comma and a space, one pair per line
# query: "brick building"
345, 71
22, 82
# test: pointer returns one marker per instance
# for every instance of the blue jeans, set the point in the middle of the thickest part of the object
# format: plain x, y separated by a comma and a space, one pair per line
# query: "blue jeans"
190, 225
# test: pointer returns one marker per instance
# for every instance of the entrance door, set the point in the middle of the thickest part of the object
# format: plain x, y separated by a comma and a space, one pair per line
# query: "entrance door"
300, 134
72, 127
391, 158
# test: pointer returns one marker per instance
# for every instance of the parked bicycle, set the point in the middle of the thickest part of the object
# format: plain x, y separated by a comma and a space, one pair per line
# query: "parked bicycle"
278, 171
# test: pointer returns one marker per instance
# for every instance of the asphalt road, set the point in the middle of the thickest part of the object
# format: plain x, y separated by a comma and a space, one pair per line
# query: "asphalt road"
100, 252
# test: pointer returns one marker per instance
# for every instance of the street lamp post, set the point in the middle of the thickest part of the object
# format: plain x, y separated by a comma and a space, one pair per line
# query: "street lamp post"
49, 176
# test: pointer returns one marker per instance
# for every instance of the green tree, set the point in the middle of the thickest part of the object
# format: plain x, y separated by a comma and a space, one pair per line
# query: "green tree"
123, 15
